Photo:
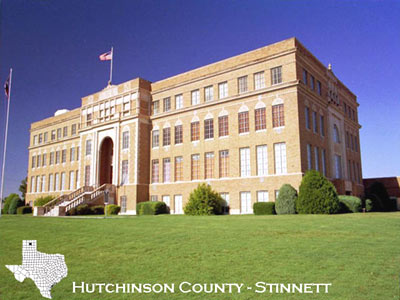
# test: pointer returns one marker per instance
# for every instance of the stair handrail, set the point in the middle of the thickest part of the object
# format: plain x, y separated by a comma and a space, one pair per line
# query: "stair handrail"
61, 197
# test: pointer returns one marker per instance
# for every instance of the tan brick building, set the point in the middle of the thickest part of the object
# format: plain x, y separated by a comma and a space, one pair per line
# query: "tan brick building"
245, 125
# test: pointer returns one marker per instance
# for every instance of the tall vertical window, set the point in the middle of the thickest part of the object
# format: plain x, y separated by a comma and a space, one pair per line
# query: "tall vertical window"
259, 80
87, 175
245, 202
314, 121
208, 129
209, 93
123, 204
125, 140
77, 179
77, 153
195, 97
51, 159
57, 157
167, 104
155, 175
224, 163
350, 173
38, 186
280, 158
32, 184
57, 182
336, 138
65, 131
156, 107
44, 159
167, 170
223, 90
262, 160
305, 77
356, 143
71, 180
195, 167
316, 154
33, 161
63, 181
40, 138
223, 126
43, 189
309, 157
73, 129
38, 161
72, 154
323, 160
59, 129
338, 166
262, 196
242, 84
88, 123
276, 75
278, 116
195, 131
260, 121
244, 162
88, 147
319, 88
178, 168
53, 135
178, 134
322, 125
312, 82
124, 172
64, 156
51, 183
178, 101
243, 122
155, 138
166, 136
209, 165
307, 117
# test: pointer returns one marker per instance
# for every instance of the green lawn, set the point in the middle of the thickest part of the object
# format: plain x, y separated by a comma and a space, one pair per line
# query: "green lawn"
358, 253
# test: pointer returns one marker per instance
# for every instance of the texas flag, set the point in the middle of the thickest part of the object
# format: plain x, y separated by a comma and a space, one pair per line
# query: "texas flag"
106, 56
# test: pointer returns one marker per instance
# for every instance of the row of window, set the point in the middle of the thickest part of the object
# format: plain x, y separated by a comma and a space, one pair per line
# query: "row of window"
314, 117
223, 164
349, 112
242, 83
55, 157
56, 182
352, 142
354, 171
55, 134
309, 80
107, 113
125, 143
278, 120
316, 161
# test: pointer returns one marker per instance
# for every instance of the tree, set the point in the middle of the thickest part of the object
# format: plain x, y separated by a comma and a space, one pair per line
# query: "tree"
204, 201
286, 201
8, 201
380, 198
22, 189
15, 203
317, 195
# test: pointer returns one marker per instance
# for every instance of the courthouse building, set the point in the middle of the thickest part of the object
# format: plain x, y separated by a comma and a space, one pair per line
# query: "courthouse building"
245, 125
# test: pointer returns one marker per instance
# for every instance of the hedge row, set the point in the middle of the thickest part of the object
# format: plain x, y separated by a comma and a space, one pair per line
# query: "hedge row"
22, 210
350, 204
264, 208
151, 208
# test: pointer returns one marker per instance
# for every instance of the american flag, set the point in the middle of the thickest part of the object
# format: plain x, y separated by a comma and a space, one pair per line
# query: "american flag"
106, 56
7, 87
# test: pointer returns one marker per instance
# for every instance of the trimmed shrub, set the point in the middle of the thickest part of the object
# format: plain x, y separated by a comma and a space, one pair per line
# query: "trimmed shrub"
369, 206
151, 208
83, 209
379, 197
22, 210
43, 200
113, 209
97, 210
204, 201
350, 204
264, 208
7, 202
286, 201
317, 195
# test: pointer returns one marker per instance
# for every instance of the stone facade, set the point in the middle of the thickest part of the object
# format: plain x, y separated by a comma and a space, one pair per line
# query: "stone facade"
245, 125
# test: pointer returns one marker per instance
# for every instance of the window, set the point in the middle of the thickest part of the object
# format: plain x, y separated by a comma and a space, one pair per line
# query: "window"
73, 129
349, 167
124, 172
64, 156
166, 200
242, 84
65, 131
209, 165
51, 183
243, 122
44, 160
305, 77
33, 161
125, 140
57, 182
245, 202
208, 129
224, 163
156, 107
178, 101
319, 88
43, 188
223, 90
195, 167
178, 168
262, 196
77, 179
167, 104
259, 81
262, 160
38, 186
53, 135
223, 126
155, 177
87, 175
71, 180
32, 184
307, 117
322, 125
309, 157
356, 143
123, 204
63, 181
278, 118
195, 131
338, 166
72, 154
225, 205
57, 157
45, 136
40, 138
276, 75
77, 153
312, 82
155, 138
316, 154
336, 138
59, 132
260, 121
166, 136
178, 134
51, 160
88, 122
178, 204
276, 194
314, 120
153, 198
88, 147
35, 140
209, 93
244, 162
323, 159
280, 158
195, 97
166, 170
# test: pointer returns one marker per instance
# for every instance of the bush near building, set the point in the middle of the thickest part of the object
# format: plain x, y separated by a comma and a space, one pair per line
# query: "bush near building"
24, 210
113, 209
264, 208
379, 196
151, 208
350, 204
317, 195
369, 206
204, 201
7, 202
286, 201
41, 201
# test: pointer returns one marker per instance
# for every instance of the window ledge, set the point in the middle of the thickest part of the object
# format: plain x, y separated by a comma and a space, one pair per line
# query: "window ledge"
244, 133
261, 130
223, 137
210, 139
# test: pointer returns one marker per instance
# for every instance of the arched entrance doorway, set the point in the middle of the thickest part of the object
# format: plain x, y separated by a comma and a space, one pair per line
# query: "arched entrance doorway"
106, 161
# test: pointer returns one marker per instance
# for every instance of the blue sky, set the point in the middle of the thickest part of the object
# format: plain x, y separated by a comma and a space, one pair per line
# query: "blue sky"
53, 48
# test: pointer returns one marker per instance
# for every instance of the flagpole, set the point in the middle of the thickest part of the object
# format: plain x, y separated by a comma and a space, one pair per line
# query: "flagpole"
111, 68
5, 143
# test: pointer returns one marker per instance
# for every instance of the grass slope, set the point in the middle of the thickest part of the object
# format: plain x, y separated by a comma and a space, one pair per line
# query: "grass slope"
358, 253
